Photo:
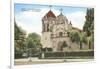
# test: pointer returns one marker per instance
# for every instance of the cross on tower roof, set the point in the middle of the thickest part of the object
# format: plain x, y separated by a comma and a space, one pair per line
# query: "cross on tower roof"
50, 6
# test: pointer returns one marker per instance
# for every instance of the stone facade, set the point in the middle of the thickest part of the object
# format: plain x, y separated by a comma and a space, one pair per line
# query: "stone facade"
55, 32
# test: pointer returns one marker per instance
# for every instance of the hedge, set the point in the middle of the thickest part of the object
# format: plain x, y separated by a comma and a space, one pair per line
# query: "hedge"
67, 54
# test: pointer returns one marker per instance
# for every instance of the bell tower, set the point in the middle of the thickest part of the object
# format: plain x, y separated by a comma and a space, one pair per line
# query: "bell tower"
47, 22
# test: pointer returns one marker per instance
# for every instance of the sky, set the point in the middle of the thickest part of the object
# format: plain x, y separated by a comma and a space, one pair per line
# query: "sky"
29, 16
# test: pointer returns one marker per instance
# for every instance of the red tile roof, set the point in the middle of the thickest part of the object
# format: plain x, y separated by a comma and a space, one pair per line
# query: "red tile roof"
50, 14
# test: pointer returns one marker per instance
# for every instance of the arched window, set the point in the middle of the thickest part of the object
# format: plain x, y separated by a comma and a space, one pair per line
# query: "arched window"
60, 34
60, 47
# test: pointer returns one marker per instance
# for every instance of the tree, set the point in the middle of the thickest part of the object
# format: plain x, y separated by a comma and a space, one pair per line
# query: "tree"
90, 41
78, 37
64, 44
74, 35
89, 23
89, 27
82, 39
19, 39
33, 42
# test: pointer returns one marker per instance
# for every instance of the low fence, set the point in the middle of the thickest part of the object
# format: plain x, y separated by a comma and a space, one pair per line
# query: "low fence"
61, 55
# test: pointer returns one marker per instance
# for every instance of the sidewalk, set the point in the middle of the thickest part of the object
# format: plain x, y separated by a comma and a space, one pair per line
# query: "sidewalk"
26, 61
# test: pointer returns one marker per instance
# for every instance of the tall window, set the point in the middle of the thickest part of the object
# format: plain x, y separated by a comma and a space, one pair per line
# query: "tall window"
60, 34
42, 25
47, 27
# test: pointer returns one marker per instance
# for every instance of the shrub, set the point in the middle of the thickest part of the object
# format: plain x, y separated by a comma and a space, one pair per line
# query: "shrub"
67, 54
